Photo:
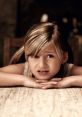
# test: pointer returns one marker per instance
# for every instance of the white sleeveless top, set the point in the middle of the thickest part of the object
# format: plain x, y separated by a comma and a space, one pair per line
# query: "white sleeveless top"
26, 69
69, 68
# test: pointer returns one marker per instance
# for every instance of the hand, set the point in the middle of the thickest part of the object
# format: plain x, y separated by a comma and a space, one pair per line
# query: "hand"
65, 82
60, 83
31, 82
70, 81
49, 83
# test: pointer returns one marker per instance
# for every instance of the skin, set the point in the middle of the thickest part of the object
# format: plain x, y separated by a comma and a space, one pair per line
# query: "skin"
74, 80
12, 75
46, 64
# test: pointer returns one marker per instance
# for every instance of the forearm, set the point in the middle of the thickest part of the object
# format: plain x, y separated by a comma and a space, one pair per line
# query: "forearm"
77, 80
64, 82
7, 79
71, 81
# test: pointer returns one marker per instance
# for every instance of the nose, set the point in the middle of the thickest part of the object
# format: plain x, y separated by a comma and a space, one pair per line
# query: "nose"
42, 62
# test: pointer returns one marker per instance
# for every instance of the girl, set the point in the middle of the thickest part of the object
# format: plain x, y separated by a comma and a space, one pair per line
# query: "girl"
46, 56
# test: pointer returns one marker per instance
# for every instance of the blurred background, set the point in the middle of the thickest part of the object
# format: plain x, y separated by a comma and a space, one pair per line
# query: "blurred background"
17, 16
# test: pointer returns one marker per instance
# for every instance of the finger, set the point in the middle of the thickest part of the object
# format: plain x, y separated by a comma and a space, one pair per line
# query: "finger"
37, 85
49, 83
61, 84
50, 86
56, 79
41, 81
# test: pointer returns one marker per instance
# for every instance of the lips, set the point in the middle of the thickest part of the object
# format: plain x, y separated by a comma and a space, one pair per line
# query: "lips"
43, 72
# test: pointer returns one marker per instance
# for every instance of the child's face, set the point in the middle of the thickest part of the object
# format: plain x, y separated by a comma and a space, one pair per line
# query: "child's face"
47, 63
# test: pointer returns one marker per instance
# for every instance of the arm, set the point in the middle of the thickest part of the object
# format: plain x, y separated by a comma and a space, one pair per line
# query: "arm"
76, 70
75, 79
13, 69
12, 75
7, 79
64, 82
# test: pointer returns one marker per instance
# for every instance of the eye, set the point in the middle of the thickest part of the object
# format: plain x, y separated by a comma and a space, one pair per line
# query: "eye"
51, 56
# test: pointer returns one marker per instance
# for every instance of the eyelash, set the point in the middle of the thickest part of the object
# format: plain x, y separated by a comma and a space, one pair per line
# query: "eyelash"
50, 55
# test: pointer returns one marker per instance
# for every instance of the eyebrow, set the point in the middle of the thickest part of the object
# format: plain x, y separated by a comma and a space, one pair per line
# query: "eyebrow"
50, 51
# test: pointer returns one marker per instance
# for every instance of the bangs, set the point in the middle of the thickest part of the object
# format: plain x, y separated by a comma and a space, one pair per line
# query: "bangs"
38, 36
34, 45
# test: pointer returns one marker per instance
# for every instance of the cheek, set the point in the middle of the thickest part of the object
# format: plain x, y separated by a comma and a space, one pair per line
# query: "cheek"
31, 64
55, 65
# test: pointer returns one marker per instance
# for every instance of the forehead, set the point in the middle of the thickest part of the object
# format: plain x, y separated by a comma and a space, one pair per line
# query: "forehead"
48, 47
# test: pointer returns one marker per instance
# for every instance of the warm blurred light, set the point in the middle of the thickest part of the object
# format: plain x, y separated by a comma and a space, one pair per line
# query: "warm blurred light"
44, 18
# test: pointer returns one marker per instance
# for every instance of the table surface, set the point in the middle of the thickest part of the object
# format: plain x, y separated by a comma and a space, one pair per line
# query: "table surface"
29, 102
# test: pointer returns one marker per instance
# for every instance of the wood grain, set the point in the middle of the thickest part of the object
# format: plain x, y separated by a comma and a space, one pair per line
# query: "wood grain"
29, 102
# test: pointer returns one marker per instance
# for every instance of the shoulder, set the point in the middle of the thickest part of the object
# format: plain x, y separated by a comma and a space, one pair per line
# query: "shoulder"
74, 69
14, 68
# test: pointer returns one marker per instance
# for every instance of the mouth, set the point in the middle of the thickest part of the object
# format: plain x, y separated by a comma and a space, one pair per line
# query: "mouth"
43, 72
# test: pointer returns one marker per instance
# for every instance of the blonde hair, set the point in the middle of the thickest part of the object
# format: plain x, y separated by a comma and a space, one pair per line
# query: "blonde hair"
37, 36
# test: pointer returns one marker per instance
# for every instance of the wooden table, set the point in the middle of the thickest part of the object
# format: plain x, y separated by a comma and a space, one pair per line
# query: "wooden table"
28, 102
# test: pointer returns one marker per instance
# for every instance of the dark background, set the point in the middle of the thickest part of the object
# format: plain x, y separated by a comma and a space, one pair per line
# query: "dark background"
16, 16
29, 12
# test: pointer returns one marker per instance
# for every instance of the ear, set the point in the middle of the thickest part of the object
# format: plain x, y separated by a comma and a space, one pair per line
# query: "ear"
65, 57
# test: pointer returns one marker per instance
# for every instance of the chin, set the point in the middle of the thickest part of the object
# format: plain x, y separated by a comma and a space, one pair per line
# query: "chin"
43, 78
